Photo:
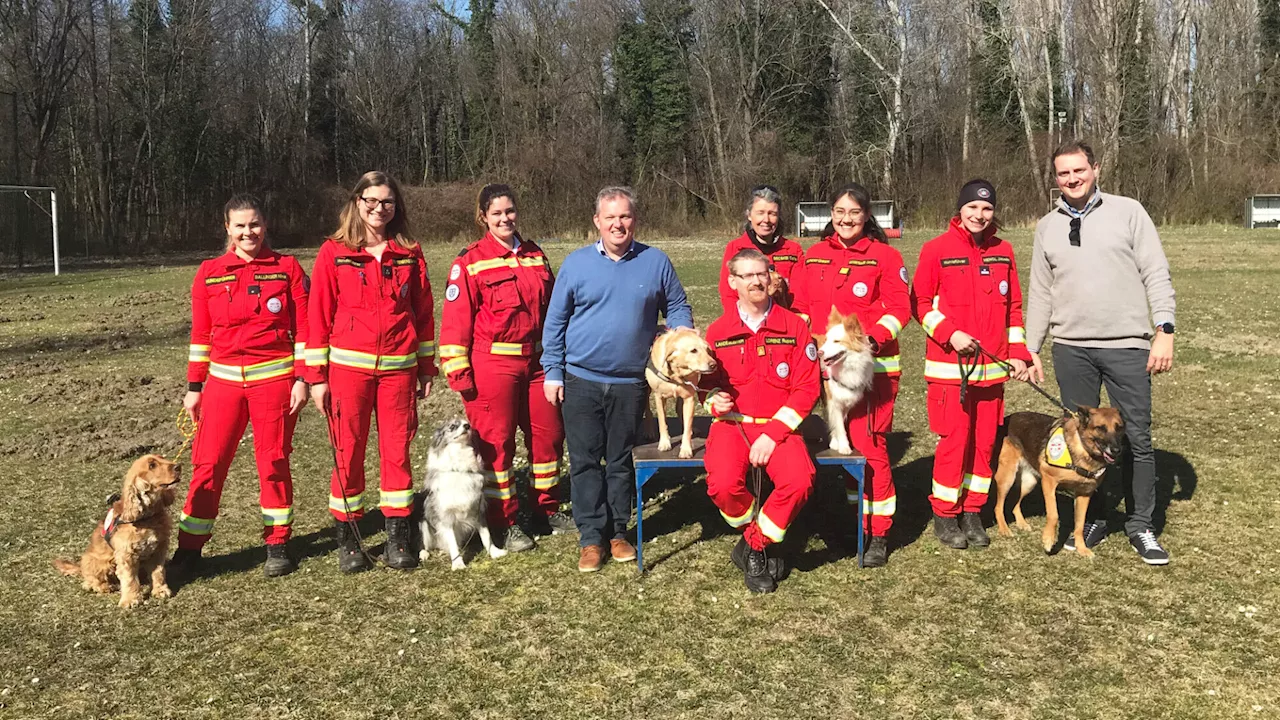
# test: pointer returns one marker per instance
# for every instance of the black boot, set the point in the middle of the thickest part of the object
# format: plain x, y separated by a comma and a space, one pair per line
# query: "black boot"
351, 558
777, 566
398, 552
971, 524
278, 562
756, 574
184, 565
949, 533
877, 553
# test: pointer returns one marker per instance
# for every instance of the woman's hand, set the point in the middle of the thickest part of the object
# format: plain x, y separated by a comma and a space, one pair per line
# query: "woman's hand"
297, 397
1019, 369
424, 387
320, 396
191, 403
963, 342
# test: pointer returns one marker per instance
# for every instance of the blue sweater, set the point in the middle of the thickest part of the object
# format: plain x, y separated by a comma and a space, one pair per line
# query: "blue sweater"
604, 314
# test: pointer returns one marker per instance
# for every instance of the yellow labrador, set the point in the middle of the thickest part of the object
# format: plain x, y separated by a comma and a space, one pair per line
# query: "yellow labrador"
677, 361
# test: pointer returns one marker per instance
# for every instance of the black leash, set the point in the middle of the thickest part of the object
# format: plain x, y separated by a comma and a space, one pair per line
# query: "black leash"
337, 469
981, 352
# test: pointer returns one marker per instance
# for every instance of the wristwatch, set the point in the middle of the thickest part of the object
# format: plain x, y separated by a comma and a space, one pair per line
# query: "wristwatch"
1166, 328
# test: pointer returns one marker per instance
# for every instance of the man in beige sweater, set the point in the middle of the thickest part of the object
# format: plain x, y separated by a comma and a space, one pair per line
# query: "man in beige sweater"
1099, 282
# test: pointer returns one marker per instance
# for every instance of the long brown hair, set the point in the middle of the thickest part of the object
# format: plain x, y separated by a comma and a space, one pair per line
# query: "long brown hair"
244, 201
859, 194
487, 195
351, 228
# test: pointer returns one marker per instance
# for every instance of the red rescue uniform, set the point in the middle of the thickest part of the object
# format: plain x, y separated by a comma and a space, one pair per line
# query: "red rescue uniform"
867, 279
248, 335
784, 255
973, 287
772, 376
490, 347
372, 335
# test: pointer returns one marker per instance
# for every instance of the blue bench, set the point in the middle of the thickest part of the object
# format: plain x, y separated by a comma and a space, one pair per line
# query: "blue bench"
649, 460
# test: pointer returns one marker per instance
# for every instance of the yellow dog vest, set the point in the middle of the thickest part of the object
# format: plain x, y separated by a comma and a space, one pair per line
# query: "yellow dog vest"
1056, 452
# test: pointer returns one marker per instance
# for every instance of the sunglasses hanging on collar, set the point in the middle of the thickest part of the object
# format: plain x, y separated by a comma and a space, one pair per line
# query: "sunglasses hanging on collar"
1074, 235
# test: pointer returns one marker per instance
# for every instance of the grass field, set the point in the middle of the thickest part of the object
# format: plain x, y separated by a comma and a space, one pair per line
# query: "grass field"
92, 372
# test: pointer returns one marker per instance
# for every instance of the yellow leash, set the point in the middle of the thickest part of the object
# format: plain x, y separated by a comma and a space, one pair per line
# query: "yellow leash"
186, 428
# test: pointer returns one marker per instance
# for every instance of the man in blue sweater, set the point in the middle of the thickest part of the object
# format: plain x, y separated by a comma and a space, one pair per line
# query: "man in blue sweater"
595, 342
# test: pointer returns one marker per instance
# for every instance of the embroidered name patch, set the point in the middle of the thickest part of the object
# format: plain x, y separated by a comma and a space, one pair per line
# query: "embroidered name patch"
259, 277
219, 280
404, 261
784, 258
859, 263
997, 260
779, 341
948, 262
730, 343
347, 261
817, 261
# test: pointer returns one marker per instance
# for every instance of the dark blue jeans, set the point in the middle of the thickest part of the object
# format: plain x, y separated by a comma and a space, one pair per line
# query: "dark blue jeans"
1081, 373
601, 421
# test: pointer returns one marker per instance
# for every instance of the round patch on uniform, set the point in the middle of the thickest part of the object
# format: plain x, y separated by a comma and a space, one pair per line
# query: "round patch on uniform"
455, 272
811, 351
274, 305
1004, 287
404, 291
984, 193
1057, 447
783, 370
860, 289
451, 293
902, 272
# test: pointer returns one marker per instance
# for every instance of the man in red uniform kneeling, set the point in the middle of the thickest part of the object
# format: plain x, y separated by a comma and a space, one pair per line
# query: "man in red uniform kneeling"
767, 381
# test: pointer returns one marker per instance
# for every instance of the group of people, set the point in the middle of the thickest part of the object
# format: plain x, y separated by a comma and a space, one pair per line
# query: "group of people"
563, 359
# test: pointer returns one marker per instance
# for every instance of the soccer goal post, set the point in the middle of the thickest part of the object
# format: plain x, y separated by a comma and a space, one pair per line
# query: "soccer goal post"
52, 212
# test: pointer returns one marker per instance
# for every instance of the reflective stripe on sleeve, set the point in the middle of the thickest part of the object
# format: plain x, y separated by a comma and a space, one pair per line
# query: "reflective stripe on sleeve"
890, 323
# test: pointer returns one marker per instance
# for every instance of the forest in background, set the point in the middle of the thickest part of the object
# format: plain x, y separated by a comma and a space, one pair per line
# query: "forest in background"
148, 114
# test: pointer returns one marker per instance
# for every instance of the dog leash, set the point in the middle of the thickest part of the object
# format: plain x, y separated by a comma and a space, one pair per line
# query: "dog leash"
980, 352
337, 469
187, 429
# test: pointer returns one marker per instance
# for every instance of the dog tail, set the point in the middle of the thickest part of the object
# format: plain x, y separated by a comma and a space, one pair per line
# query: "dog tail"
67, 566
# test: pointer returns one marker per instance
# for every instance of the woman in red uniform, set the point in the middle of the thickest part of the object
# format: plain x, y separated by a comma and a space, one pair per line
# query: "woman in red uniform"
854, 270
490, 332
785, 256
248, 332
373, 336
966, 296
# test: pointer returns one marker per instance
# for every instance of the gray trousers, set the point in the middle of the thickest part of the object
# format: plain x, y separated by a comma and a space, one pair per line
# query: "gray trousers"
1081, 373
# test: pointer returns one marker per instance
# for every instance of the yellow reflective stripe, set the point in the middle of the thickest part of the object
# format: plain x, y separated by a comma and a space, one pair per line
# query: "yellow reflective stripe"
887, 364
317, 356
706, 404
788, 417
449, 351
476, 268
977, 483
770, 529
546, 467
198, 353
804, 317
277, 516
532, 262
194, 525
890, 323
932, 319
739, 520
944, 493
497, 493
352, 505
1017, 334
257, 371
368, 361
545, 482
851, 496
505, 348
299, 351
395, 498
427, 349
397, 362
940, 370
883, 508
740, 418
454, 365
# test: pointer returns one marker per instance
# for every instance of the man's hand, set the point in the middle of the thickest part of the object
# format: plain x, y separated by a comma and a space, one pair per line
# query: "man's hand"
1036, 371
191, 403
424, 386
963, 342
761, 450
1019, 369
297, 397
320, 396
553, 393
1161, 357
721, 403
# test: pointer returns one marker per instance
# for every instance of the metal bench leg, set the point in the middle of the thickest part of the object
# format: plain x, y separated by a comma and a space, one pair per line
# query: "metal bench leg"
643, 474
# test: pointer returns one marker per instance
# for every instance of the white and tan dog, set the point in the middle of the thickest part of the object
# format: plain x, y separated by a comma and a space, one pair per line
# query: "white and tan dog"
850, 365
677, 361
453, 494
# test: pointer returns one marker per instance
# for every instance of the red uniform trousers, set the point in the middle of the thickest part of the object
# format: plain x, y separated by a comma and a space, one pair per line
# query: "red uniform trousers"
966, 439
869, 426
225, 409
509, 394
354, 397
790, 469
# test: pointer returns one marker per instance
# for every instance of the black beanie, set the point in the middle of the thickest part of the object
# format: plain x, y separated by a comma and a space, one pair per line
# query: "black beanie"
976, 190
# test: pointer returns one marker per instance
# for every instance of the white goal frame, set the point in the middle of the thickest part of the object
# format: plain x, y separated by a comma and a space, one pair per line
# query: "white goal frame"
52, 212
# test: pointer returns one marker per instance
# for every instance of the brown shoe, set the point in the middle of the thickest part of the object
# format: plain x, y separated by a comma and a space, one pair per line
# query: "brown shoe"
591, 559
621, 550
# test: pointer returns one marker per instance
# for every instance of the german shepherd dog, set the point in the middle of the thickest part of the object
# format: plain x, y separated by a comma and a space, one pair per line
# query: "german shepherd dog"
1069, 453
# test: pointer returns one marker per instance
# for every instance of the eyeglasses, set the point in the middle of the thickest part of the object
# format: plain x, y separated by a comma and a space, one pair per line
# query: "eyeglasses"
747, 276
1074, 236
370, 203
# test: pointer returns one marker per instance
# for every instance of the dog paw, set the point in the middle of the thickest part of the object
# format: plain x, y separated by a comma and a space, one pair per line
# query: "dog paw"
664, 445
163, 592
1023, 525
497, 552
1005, 531
1083, 551
686, 451
841, 448
423, 555
458, 564
129, 602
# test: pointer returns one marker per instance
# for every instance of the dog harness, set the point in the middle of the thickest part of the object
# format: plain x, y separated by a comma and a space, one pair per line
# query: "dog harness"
1058, 454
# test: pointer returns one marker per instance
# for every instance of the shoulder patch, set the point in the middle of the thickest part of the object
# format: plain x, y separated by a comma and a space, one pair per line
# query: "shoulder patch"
347, 261
997, 260
219, 280
779, 341
455, 271
949, 262
902, 272
817, 261
262, 277
730, 343
451, 293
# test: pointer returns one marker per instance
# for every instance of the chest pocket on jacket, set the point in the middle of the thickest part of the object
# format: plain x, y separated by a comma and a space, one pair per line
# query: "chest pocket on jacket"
997, 281
957, 284
351, 283
219, 298
776, 364
500, 288
862, 283
400, 285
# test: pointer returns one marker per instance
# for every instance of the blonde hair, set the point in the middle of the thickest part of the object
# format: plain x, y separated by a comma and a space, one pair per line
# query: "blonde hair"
244, 201
351, 227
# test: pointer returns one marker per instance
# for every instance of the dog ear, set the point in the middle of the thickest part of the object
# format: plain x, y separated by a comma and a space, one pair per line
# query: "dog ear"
834, 318
1082, 415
